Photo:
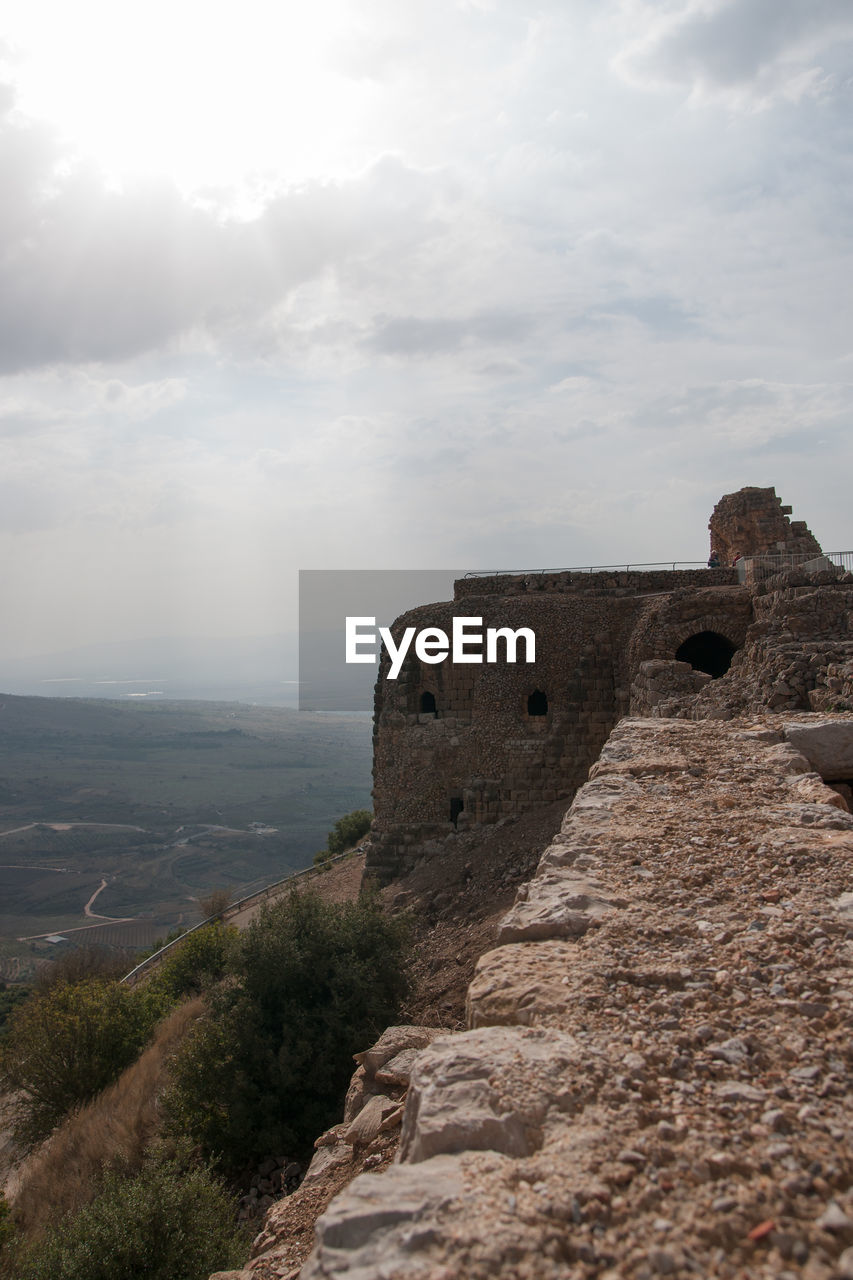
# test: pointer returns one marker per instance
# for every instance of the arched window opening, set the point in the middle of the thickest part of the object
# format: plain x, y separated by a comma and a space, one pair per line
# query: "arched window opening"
428, 702
456, 807
537, 703
707, 651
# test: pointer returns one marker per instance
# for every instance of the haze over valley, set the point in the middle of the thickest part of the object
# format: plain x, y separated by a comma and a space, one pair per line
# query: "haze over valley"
255, 669
117, 817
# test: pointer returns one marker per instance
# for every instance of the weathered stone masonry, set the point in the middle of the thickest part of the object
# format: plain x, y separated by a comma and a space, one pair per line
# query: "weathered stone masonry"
498, 739
753, 522
656, 1076
457, 744
487, 750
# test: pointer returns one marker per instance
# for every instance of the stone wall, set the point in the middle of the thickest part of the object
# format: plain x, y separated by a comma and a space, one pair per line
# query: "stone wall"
833, 687
616, 582
753, 522
669, 619
798, 651
657, 684
481, 755
656, 1076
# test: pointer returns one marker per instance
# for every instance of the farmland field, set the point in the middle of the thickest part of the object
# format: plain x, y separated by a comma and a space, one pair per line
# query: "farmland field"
163, 801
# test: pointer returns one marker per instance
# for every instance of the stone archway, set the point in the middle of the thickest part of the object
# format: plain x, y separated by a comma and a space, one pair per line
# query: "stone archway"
668, 623
707, 651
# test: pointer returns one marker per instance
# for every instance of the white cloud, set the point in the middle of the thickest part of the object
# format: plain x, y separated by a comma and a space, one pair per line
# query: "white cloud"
90, 274
743, 52
550, 322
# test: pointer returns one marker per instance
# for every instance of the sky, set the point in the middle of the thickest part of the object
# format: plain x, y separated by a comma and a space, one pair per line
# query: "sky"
371, 285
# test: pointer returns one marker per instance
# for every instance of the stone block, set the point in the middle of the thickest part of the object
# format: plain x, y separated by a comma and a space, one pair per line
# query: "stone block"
491, 1089
827, 744
810, 787
522, 985
367, 1230
594, 803
369, 1121
559, 904
787, 759
393, 1041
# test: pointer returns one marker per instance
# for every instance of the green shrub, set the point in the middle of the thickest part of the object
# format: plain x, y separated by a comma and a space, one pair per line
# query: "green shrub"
6, 1228
349, 830
169, 1222
65, 1044
11, 995
196, 963
346, 832
266, 1071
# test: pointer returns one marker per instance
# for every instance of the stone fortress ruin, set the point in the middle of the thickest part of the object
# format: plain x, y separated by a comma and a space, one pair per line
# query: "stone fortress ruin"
459, 745
655, 1075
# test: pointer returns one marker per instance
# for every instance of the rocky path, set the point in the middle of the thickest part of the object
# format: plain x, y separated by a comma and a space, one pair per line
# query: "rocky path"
657, 1078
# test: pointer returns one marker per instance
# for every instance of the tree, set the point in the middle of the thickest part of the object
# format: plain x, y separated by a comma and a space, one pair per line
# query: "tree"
6, 1228
65, 1044
82, 962
265, 1072
215, 902
10, 997
349, 830
169, 1222
197, 962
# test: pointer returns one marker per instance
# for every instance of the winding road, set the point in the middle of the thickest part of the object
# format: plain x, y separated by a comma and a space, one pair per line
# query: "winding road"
93, 915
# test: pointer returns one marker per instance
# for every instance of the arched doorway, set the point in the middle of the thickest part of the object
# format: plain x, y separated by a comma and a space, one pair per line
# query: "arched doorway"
707, 651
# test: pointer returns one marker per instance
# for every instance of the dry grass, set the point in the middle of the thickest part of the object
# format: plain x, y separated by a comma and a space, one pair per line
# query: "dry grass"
113, 1129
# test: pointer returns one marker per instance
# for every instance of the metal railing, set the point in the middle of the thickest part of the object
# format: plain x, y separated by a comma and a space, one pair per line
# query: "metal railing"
234, 908
590, 568
774, 564
759, 568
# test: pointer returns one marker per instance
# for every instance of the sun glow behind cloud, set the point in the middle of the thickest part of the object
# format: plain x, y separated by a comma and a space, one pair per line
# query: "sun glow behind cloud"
449, 281
213, 96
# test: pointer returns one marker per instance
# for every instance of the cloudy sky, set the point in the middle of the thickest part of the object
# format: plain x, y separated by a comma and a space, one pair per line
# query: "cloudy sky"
371, 284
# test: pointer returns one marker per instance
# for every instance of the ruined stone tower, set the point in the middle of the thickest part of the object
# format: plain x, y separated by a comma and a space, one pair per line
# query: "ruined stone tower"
460, 745
753, 522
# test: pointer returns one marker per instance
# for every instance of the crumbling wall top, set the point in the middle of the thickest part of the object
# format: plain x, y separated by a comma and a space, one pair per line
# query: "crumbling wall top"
753, 522
576, 582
